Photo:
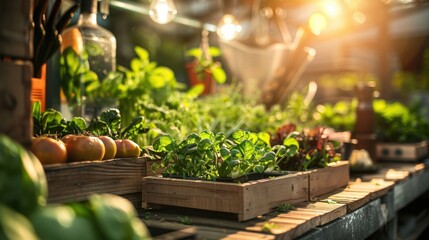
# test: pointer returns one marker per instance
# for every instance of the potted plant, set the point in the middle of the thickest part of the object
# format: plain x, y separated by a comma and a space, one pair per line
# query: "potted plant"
203, 69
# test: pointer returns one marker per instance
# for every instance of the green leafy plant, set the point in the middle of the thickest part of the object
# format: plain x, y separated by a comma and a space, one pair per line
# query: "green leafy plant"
406, 82
329, 201
309, 148
109, 123
185, 220
51, 122
146, 89
204, 63
341, 115
395, 122
211, 156
285, 207
268, 226
147, 215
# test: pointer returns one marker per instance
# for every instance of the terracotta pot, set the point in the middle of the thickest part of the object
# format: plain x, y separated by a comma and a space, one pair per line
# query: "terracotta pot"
208, 80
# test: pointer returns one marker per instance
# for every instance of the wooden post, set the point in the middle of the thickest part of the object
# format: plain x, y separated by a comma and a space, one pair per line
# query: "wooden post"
383, 47
16, 52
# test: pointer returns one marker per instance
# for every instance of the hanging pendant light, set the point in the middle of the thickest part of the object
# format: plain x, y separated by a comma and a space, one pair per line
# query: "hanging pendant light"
228, 27
162, 11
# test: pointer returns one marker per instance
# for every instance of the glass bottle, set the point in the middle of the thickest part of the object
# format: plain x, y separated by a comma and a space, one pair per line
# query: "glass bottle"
97, 47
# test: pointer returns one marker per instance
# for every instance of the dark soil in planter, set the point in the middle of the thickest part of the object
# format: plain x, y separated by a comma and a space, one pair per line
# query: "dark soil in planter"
296, 164
242, 179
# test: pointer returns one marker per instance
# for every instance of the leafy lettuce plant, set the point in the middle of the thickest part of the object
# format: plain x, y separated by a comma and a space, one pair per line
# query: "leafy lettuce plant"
245, 152
51, 122
109, 123
195, 156
211, 156
306, 149
395, 122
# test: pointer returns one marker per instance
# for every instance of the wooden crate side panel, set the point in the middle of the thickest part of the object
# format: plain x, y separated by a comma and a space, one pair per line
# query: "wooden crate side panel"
214, 196
402, 151
262, 196
78, 180
331, 178
149, 165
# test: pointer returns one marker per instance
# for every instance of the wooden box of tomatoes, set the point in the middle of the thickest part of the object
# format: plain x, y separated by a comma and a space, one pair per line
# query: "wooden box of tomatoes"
77, 180
78, 166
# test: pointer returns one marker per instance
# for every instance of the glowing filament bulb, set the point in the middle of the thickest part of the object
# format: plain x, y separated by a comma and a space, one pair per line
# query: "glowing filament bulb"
228, 27
317, 23
332, 8
162, 11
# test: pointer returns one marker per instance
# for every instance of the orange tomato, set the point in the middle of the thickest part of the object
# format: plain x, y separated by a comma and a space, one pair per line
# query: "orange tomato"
84, 148
110, 146
49, 150
127, 148
67, 138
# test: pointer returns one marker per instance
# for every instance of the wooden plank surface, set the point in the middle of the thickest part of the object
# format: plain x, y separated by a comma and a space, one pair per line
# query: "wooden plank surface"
392, 171
359, 224
376, 188
326, 212
290, 225
357, 194
205, 232
355, 212
353, 200
168, 230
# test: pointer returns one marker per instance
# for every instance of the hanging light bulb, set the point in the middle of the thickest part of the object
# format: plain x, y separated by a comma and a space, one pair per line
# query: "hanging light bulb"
228, 27
317, 23
162, 11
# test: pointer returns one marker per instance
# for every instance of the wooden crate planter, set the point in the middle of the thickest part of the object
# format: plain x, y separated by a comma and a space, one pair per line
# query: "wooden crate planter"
328, 179
407, 152
247, 200
76, 181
